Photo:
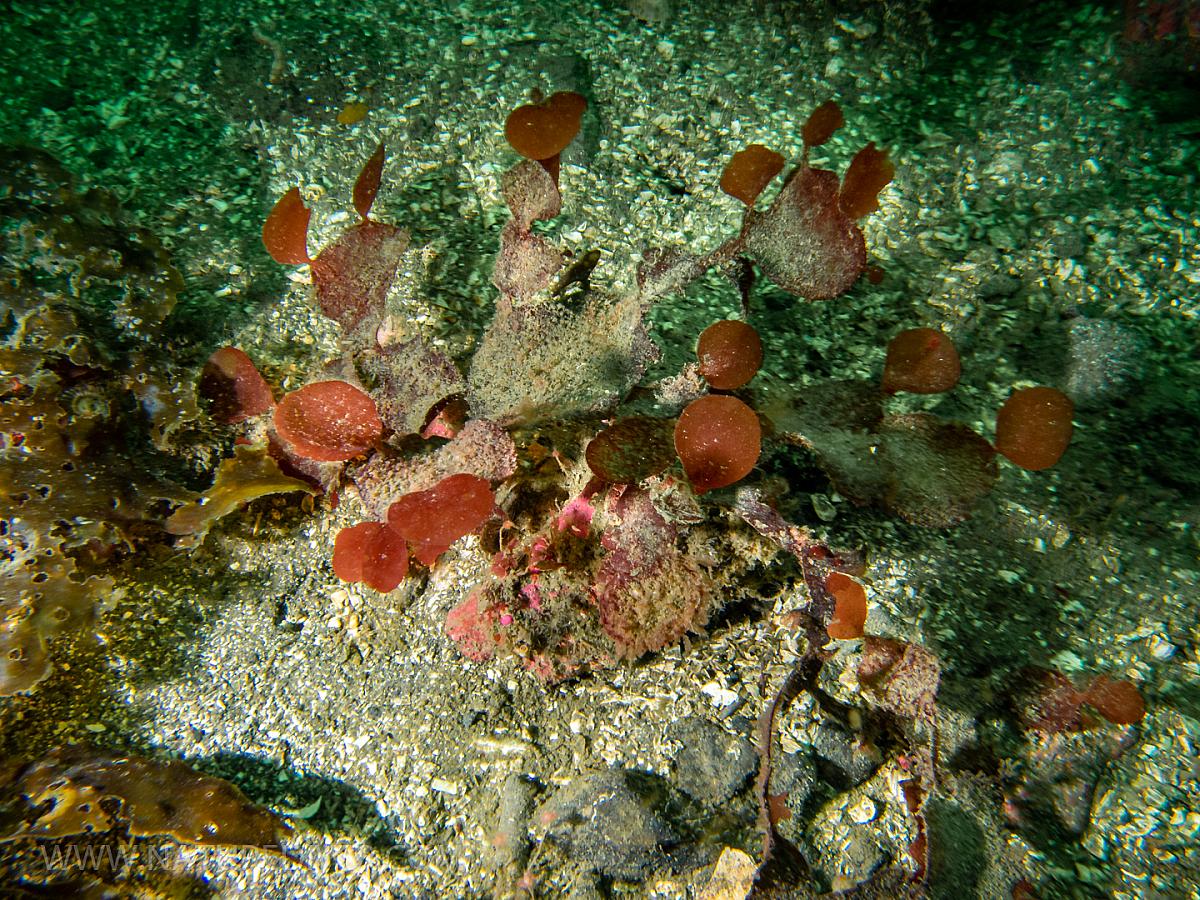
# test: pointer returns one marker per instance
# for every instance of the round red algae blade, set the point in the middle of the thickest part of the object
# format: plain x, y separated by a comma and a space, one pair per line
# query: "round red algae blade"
850, 612
822, 122
367, 184
436, 518
285, 231
730, 354
630, 450
328, 421
542, 130
1033, 427
718, 440
921, 361
349, 547
234, 387
372, 553
869, 173
749, 171
1117, 700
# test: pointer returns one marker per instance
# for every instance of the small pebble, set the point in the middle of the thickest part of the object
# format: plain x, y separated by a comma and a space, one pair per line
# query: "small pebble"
863, 811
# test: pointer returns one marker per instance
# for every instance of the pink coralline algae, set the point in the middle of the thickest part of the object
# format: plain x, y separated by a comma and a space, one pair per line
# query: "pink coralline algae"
648, 592
472, 628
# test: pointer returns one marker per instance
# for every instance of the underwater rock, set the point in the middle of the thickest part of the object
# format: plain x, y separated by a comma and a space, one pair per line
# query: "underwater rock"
840, 759
1102, 362
712, 765
598, 819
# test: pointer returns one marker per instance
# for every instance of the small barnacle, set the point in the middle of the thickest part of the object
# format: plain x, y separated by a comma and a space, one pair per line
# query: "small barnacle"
89, 403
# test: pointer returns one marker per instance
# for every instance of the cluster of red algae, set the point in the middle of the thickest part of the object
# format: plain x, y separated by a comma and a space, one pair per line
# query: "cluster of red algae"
749, 171
932, 472
921, 361
718, 438
328, 421
1052, 704
285, 230
422, 524
870, 170
1033, 427
730, 353
352, 275
928, 471
333, 421
807, 242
